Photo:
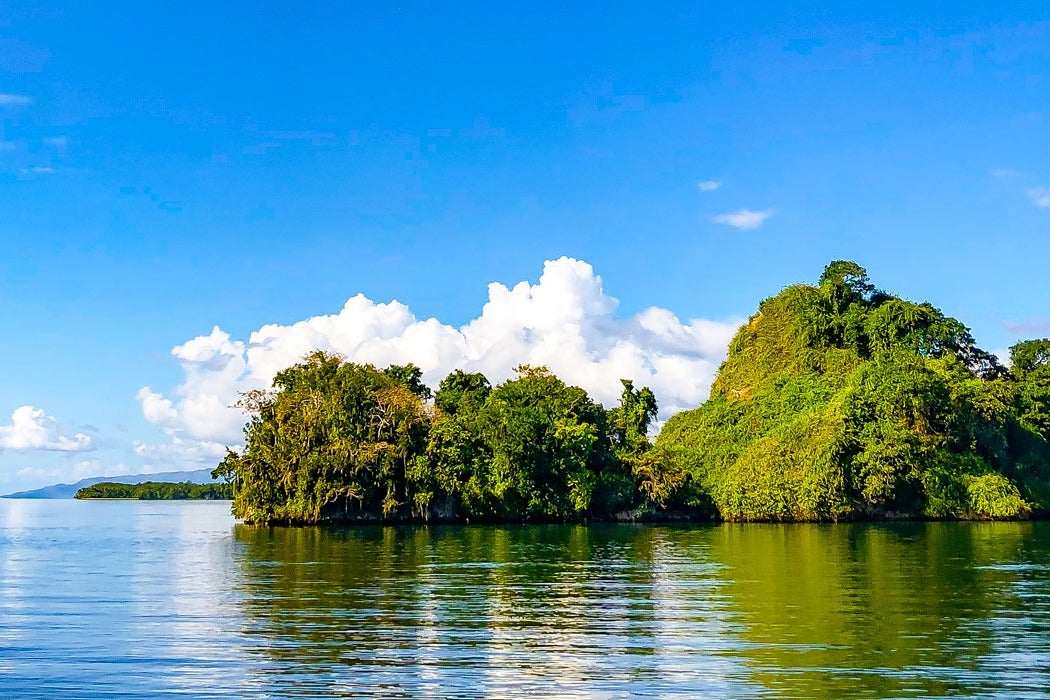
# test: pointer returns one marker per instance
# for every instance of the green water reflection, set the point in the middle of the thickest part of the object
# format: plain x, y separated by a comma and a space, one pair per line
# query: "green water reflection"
815, 611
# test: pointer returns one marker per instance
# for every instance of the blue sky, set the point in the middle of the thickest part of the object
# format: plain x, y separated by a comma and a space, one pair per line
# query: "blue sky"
167, 170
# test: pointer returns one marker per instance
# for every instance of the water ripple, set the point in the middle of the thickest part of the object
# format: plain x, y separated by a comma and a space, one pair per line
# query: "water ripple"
133, 600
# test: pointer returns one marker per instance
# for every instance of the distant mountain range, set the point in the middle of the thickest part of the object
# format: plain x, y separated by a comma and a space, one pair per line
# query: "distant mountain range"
198, 476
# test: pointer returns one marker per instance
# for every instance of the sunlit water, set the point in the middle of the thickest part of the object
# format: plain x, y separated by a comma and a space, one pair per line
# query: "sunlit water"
133, 599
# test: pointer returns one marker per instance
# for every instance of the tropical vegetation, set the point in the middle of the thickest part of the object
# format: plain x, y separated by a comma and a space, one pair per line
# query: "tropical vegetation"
836, 401
157, 491
840, 400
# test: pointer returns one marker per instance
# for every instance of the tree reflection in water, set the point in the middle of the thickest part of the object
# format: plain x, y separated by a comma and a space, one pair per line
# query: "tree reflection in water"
821, 611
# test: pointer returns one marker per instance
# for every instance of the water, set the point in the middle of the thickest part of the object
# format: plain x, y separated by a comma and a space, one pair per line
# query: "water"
137, 599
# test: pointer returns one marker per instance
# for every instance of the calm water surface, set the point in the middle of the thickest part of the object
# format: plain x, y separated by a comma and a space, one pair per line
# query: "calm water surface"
133, 599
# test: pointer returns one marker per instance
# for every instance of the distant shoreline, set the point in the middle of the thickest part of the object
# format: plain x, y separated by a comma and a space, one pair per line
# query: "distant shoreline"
132, 498
155, 491
63, 491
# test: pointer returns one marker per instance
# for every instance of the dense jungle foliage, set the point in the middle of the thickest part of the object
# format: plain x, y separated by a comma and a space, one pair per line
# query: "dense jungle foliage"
840, 400
342, 441
158, 491
835, 401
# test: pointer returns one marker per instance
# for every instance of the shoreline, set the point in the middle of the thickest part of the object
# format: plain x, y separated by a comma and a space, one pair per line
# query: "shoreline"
659, 520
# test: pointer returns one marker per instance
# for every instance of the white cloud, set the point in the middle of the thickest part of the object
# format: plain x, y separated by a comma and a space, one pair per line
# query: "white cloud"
565, 321
180, 454
1002, 173
1040, 197
9, 100
55, 141
32, 429
708, 185
744, 219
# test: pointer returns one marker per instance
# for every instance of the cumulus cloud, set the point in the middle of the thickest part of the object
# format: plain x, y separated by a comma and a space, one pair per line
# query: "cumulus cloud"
32, 429
744, 219
1040, 197
565, 321
9, 100
708, 185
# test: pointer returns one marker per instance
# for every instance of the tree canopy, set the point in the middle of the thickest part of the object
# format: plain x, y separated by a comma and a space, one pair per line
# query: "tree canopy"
156, 491
337, 440
840, 400
835, 401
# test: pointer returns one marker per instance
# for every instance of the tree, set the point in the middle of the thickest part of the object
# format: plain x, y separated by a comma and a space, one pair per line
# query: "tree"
655, 475
333, 437
547, 446
1031, 357
410, 377
847, 281
1030, 365
629, 422
462, 389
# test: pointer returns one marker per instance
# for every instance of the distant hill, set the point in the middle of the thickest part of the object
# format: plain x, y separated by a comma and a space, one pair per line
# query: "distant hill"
198, 476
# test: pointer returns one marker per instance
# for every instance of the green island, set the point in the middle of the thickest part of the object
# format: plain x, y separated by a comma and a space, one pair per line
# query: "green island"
837, 401
157, 491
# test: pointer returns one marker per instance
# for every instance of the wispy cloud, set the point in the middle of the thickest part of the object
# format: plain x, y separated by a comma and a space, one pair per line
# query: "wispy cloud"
1002, 173
1040, 197
708, 185
744, 219
9, 100
34, 476
1036, 326
55, 141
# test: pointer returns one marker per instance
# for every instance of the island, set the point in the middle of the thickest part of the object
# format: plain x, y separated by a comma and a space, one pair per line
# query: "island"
837, 401
157, 491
